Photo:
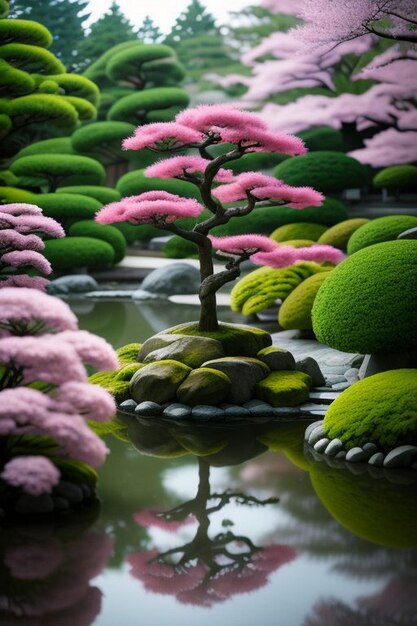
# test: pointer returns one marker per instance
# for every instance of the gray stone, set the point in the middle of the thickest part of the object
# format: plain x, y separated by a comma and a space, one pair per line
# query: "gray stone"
158, 382
204, 412
204, 386
148, 408
341, 455
325, 397
259, 408
177, 410
311, 367
243, 372
411, 233
69, 491
335, 379
28, 504
375, 363
288, 410
73, 283
370, 447
357, 455
316, 434
311, 427
352, 375
401, 456
376, 459
309, 407
277, 358
334, 447
177, 278
236, 411
128, 405
321, 444
341, 386
190, 350
333, 370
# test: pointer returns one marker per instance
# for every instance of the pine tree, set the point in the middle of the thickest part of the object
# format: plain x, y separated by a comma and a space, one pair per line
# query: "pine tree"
63, 18
109, 30
195, 20
149, 32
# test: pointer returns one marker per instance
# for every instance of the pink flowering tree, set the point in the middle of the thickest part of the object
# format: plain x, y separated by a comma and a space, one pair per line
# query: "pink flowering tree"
45, 396
22, 228
201, 128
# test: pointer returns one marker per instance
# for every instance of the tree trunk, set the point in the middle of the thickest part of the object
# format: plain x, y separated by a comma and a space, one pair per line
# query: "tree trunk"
208, 310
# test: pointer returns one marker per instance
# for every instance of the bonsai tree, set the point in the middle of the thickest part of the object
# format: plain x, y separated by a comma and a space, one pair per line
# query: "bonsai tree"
201, 128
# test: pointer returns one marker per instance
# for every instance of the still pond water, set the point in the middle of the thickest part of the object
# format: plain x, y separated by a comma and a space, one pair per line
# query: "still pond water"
231, 525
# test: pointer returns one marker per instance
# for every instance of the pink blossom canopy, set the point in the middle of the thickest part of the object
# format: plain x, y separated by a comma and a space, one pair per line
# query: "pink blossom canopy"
171, 135
34, 474
180, 166
240, 244
27, 258
283, 255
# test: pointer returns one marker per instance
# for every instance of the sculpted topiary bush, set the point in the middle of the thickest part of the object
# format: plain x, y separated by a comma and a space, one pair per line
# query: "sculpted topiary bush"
368, 302
89, 228
323, 138
301, 230
103, 194
339, 234
72, 252
67, 208
396, 177
379, 230
295, 311
57, 145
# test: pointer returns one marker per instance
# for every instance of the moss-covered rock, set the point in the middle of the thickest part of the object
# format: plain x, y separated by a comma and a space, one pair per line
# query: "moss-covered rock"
119, 389
204, 386
380, 408
295, 311
277, 358
236, 339
261, 288
379, 230
126, 372
192, 351
284, 388
71, 252
368, 303
158, 381
302, 230
129, 353
243, 372
339, 234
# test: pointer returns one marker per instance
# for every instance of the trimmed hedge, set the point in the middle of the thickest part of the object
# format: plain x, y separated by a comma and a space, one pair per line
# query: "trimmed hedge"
54, 169
13, 194
301, 230
88, 228
397, 177
102, 136
134, 108
73, 252
379, 230
323, 138
67, 207
104, 195
25, 32
368, 303
134, 183
295, 311
339, 234
57, 145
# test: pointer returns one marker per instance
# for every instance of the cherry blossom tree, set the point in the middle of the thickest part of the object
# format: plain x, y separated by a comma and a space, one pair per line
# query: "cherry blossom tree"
201, 128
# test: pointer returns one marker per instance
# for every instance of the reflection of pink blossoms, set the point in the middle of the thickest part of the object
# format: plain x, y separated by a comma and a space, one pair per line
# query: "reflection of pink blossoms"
157, 519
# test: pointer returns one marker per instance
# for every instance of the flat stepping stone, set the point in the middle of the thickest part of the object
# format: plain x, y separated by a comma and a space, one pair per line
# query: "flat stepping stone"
324, 396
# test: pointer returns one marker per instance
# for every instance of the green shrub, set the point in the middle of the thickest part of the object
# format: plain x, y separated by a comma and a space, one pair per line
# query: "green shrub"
257, 161
13, 194
54, 169
73, 252
31, 58
85, 110
67, 208
397, 177
134, 232
25, 32
103, 139
14, 82
381, 408
323, 138
77, 86
104, 195
300, 243
326, 171
379, 230
295, 311
368, 302
300, 230
45, 108
57, 145
134, 108
178, 248
145, 60
134, 183
339, 234
88, 228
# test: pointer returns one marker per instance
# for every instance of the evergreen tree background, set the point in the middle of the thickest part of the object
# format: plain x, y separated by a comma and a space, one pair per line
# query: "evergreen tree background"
63, 18
149, 32
195, 20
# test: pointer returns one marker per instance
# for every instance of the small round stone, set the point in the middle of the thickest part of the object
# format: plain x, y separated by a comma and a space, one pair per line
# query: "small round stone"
311, 427
341, 455
334, 447
60, 504
376, 459
177, 410
206, 412
356, 455
321, 444
402, 456
315, 435
128, 405
236, 411
148, 408
370, 447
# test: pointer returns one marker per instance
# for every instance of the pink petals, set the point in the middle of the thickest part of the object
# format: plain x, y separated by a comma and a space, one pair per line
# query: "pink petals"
34, 474
180, 166
162, 135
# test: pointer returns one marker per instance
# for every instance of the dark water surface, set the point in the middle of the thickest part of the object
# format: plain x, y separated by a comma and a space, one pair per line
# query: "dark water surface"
228, 525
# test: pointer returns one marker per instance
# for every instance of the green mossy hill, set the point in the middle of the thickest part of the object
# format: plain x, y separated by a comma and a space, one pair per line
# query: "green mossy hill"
326, 171
261, 288
295, 311
397, 177
129, 353
355, 502
302, 230
104, 232
284, 388
368, 303
104, 195
158, 381
379, 230
204, 386
339, 234
67, 208
236, 339
73, 252
380, 408
119, 389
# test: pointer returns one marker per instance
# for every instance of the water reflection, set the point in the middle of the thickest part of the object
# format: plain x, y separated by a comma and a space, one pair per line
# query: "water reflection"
46, 569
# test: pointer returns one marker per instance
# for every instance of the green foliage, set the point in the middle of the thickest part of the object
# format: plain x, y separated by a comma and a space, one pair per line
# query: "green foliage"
300, 230
379, 230
7, 178
103, 140
134, 232
136, 107
13, 194
85, 110
31, 58
295, 311
126, 372
284, 388
88, 228
178, 248
119, 389
55, 169
195, 20
299, 243
67, 208
77, 86
397, 177
253, 23
133, 63
261, 288
75, 252
14, 82
381, 408
323, 138
326, 171
368, 303
104, 195
254, 161
57, 145
148, 32
339, 234
50, 108
128, 354
134, 183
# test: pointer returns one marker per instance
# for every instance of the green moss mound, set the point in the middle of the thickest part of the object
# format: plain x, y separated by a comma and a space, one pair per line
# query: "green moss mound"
261, 288
295, 311
397, 177
284, 388
380, 229
88, 228
355, 502
71, 252
302, 230
368, 302
381, 408
129, 353
325, 170
158, 381
119, 389
339, 234
104, 195
126, 372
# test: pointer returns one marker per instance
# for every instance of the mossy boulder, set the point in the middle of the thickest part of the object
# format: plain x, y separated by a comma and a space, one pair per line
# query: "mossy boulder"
301, 230
204, 386
126, 372
243, 372
192, 351
277, 358
295, 311
129, 353
236, 339
380, 408
158, 381
381, 229
284, 388
339, 234
368, 303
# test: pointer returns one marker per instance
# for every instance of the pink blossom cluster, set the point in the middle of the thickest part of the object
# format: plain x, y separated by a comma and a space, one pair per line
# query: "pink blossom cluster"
21, 229
44, 389
184, 166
